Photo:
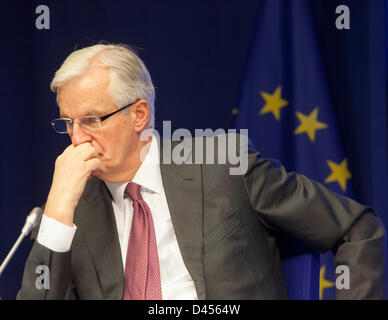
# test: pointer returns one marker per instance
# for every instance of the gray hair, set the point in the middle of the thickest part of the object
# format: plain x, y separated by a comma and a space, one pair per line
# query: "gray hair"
129, 77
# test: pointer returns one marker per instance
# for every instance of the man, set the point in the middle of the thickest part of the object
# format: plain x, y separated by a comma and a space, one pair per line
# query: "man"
117, 227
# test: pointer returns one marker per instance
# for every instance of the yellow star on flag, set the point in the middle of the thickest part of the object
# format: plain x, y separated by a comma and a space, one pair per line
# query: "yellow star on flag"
323, 283
339, 173
309, 124
273, 102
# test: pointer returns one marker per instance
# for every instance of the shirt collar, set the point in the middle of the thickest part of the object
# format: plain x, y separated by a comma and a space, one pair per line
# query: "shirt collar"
148, 175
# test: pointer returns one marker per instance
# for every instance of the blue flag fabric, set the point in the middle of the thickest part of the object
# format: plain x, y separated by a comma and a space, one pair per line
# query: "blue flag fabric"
285, 105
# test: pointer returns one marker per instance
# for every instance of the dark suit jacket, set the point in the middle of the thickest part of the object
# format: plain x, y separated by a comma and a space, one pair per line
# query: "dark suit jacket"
225, 226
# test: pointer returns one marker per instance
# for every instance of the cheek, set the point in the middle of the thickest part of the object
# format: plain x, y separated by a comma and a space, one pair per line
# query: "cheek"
113, 144
111, 148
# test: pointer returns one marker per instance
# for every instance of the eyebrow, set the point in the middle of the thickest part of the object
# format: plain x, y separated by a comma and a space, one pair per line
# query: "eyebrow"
90, 113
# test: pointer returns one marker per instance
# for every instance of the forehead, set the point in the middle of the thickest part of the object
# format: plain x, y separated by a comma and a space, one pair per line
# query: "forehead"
88, 94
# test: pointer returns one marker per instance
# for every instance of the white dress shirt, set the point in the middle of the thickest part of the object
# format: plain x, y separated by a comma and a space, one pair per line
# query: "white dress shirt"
175, 279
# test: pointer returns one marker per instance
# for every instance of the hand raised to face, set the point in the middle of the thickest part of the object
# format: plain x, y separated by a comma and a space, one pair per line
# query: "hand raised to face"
72, 169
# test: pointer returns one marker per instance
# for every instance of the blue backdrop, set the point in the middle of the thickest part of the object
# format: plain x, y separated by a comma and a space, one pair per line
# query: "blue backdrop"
197, 53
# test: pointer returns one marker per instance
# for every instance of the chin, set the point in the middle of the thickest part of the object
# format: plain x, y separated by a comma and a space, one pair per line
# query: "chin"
105, 176
98, 174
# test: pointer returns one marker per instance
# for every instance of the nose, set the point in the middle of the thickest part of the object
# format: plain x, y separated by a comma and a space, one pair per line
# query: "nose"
78, 135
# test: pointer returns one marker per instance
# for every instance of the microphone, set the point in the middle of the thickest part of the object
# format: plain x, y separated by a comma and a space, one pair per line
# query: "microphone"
31, 221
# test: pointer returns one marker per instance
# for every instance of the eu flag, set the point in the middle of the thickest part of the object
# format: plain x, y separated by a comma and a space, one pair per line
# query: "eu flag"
285, 105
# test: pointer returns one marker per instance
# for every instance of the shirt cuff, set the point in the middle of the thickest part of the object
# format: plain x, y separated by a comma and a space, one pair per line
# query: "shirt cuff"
55, 235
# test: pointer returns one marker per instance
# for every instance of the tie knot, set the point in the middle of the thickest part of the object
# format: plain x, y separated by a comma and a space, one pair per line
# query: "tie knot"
133, 191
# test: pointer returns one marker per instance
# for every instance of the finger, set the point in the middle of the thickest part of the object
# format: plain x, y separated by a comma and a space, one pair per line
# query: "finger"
89, 152
72, 151
81, 148
69, 149
95, 164
82, 152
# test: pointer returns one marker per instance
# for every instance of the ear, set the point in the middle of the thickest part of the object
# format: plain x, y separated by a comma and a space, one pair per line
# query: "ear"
142, 113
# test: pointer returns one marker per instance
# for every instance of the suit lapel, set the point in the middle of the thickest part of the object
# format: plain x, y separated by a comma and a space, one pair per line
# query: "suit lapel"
96, 222
183, 188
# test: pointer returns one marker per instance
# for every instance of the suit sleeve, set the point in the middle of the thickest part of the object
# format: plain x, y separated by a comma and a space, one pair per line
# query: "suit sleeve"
57, 284
322, 219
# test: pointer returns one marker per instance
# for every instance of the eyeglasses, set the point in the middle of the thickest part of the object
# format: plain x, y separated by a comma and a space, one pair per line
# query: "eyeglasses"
88, 123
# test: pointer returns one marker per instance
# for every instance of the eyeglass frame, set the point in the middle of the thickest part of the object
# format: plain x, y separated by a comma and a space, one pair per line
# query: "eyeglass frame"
104, 117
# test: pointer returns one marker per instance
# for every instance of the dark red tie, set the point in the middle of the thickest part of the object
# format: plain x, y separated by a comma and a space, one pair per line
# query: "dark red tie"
142, 274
